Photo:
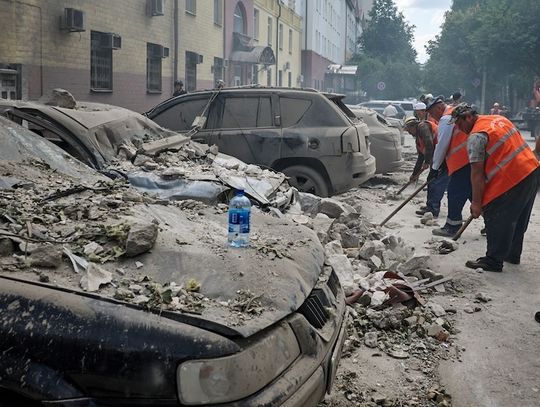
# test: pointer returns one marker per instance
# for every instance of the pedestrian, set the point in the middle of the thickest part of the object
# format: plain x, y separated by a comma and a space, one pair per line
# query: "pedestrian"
425, 135
495, 109
390, 111
456, 98
450, 159
179, 88
505, 177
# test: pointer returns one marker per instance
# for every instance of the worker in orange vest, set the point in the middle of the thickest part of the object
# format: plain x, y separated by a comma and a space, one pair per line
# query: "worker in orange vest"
505, 178
425, 134
450, 158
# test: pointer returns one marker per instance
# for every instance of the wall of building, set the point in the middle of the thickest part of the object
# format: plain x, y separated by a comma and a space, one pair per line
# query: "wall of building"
53, 58
199, 33
288, 56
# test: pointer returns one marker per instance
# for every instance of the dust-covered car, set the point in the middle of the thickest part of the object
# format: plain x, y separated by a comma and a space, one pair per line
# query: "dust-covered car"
296, 131
120, 142
385, 140
109, 298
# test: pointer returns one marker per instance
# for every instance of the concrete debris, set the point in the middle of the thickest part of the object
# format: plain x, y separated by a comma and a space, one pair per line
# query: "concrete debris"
371, 248
343, 268
141, 238
437, 309
6, 247
46, 255
414, 263
482, 297
61, 98
95, 277
448, 246
334, 208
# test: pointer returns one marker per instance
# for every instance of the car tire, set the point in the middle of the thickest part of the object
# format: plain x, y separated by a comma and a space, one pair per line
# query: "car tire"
306, 179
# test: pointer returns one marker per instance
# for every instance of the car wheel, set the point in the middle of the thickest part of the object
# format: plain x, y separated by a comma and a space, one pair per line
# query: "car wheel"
306, 179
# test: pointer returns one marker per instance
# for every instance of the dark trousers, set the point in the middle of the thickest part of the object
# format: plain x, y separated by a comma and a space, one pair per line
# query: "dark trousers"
507, 218
435, 192
459, 192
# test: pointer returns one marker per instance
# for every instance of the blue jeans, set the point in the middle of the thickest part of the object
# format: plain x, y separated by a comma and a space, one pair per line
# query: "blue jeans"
459, 192
435, 192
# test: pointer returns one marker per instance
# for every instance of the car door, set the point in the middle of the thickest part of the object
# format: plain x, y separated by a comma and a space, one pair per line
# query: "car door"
248, 127
181, 115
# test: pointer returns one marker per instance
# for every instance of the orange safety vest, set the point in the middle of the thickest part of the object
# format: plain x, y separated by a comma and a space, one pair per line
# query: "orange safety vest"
420, 146
509, 158
457, 156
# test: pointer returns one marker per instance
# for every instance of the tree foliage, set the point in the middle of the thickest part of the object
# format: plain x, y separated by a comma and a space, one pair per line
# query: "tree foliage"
500, 36
387, 54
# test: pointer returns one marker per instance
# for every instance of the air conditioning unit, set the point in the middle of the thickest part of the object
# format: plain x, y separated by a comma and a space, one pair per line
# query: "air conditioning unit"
159, 51
72, 20
287, 66
155, 8
111, 41
225, 63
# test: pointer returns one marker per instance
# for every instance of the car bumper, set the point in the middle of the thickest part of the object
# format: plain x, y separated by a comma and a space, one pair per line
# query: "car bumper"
387, 152
349, 170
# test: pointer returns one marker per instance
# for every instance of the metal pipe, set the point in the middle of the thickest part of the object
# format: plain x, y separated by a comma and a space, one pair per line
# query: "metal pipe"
175, 59
277, 42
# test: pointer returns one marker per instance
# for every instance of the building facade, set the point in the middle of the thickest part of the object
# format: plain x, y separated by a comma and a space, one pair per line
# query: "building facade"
126, 52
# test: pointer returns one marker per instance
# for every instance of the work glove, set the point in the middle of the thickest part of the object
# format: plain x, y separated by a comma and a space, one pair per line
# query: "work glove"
432, 174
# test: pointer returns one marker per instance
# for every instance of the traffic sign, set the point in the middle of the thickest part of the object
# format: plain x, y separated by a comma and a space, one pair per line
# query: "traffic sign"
381, 86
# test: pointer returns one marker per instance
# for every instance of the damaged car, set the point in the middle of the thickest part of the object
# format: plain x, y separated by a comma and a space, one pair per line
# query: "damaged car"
296, 131
121, 143
386, 144
110, 297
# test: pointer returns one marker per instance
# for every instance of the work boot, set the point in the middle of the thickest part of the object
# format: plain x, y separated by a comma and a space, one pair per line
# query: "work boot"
513, 260
537, 316
445, 231
424, 209
484, 263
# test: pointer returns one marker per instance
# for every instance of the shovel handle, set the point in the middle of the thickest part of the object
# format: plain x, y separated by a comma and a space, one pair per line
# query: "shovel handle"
405, 202
462, 228
404, 187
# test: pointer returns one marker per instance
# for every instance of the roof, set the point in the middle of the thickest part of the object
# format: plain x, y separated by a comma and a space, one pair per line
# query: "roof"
257, 55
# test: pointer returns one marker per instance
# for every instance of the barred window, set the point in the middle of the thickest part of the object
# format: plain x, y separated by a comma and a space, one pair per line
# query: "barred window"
100, 62
218, 12
153, 67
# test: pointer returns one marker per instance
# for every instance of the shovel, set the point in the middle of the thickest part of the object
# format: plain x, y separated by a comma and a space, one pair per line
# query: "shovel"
405, 202
462, 228
404, 187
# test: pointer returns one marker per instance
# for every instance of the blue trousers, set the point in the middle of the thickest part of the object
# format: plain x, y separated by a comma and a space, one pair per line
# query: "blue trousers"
459, 192
435, 192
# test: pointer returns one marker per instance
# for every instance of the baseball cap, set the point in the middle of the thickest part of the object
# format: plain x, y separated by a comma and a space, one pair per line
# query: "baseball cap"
410, 121
433, 102
419, 106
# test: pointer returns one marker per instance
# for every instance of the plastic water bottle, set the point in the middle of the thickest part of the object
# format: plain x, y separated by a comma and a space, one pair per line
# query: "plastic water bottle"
239, 220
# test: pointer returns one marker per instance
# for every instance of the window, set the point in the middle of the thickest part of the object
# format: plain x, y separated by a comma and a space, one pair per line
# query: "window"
289, 79
191, 70
280, 78
100, 62
256, 24
218, 12
153, 67
191, 7
269, 31
280, 36
292, 110
246, 112
218, 70
290, 41
180, 117
269, 77
255, 74
239, 19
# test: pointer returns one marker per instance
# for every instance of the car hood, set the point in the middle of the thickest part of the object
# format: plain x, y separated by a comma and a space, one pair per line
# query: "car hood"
188, 274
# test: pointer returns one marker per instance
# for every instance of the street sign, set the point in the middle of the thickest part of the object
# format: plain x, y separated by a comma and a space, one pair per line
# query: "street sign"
476, 82
381, 86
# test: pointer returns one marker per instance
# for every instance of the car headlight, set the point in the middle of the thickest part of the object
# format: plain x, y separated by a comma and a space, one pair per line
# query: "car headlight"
234, 377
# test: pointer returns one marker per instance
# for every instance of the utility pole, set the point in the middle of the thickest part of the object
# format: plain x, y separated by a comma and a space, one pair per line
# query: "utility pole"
483, 99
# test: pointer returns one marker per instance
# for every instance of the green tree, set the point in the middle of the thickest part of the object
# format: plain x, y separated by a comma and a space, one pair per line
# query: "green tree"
387, 54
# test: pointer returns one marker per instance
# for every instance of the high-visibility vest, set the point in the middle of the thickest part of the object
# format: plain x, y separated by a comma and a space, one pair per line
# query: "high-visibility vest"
420, 146
456, 156
434, 129
509, 158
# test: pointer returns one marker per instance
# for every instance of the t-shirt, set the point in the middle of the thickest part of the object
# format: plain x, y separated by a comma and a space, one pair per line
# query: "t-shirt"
476, 147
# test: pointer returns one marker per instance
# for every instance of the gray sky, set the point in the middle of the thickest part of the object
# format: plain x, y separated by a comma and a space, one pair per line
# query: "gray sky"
427, 16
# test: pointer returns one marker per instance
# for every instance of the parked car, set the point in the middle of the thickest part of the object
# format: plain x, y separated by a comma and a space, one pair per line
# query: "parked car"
406, 105
379, 106
109, 139
188, 322
385, 140
298, 132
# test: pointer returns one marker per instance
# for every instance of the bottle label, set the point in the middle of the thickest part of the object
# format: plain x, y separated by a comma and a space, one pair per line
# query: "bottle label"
239, 220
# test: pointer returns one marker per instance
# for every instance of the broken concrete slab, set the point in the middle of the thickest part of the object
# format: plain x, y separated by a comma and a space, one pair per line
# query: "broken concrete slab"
371, 248
46, 256
343, 268
94, 277
370, 339
334, 208
141, 238
414, 263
